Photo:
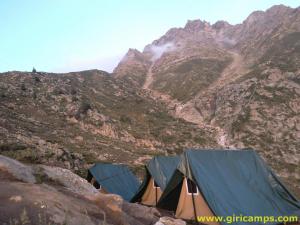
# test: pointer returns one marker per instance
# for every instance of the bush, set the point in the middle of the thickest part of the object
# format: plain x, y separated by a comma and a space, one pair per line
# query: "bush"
28, 155
125, 119
37, 79
84, 107
12, 147
23, 87
73, 91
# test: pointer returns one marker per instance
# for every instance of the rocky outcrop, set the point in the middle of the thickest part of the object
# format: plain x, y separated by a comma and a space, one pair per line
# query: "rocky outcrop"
133, 67
51, 195
66, 178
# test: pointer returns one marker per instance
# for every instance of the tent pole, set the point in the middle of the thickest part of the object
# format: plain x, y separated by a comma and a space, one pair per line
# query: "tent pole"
155, 195
194, 207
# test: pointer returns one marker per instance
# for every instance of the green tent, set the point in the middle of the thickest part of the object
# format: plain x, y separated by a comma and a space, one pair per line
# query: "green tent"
228, 182
159, 169
114, 179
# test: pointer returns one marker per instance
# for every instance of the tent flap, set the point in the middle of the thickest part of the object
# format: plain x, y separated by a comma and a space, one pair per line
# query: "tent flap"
160, 168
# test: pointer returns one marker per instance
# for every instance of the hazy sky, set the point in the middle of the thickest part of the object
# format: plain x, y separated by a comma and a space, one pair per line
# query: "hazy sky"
71, 35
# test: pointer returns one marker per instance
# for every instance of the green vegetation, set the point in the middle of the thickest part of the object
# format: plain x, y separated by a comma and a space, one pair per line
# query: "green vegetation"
185, 80
28, 155
12, 147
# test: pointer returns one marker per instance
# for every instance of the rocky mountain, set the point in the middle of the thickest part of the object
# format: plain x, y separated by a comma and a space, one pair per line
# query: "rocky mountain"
242, 81
73, 120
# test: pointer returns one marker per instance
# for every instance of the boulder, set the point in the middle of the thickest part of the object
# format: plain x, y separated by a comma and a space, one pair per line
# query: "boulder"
149, 215
53, 195
68, 179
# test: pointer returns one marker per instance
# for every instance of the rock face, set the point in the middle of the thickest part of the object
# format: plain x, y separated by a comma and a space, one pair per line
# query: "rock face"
60, 197
240, 81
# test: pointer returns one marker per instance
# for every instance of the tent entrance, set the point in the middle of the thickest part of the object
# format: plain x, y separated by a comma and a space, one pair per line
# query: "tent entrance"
95, 184
152, 193
98, 186
191, 202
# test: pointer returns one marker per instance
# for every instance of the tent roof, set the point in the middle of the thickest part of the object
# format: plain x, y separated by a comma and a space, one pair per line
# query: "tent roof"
234, 182
116, 179
160, 168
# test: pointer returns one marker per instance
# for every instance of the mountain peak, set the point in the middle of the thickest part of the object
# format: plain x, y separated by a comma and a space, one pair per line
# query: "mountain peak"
195, 25
254, 17
132, 53
273, 12
134, 60
220, 25
278, 8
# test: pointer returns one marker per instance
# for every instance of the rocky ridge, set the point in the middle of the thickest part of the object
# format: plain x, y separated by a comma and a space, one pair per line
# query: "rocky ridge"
239, 81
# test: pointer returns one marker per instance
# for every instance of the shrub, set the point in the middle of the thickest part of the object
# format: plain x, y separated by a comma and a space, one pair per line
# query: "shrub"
84, 107
23, 87
12, 147
125, 119
37, 79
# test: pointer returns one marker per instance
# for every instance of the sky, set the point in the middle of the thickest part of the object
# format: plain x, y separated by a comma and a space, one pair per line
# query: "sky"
74, 35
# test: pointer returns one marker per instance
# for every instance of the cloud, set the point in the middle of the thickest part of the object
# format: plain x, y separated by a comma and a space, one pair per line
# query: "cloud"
227, 41
159, 50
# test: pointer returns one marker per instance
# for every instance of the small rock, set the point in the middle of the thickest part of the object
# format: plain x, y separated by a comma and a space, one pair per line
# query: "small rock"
16, 198
170, 221
79, 138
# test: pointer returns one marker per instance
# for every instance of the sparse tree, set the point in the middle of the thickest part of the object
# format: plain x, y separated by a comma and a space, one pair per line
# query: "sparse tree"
33, 70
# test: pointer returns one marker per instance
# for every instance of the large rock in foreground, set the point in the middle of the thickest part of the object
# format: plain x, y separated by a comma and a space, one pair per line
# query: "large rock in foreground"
50, 195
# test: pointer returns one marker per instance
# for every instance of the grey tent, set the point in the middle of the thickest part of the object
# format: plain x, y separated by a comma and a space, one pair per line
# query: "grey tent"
114, 179
226, 183
158, 172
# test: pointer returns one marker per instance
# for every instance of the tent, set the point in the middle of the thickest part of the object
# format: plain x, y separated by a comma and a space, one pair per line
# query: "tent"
226, 183
114, 179
158, 172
